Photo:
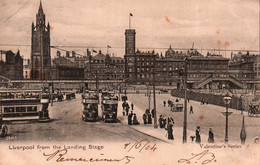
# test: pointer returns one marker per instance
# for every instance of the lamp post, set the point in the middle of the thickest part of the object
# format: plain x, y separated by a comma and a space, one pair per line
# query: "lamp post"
183, 72
227, 100
154, 101
185, 102
149, 97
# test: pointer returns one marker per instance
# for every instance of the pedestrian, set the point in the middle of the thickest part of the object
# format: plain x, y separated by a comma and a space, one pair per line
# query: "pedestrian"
198, 139
188, 100
152, 113
132, 114
191, 109
160, 120
132, 106
145, 118
164, 103
211, 136
164, 122
169, 129
147, 111
149, 118
169, 102
129, 119
135, 121
207, 102
127, 110
177, 100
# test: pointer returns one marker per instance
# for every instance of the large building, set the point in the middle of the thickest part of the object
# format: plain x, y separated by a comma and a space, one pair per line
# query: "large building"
11, 65
105, 67
40, 48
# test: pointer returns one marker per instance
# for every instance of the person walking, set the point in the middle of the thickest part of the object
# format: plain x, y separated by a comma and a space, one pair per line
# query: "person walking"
211, 136
149, 118
191, 109
164, 122
132, 106
127, 108
135, 121
129, 119
152, 113
145, 118
160, 120
169, 129
197, 133
164, 103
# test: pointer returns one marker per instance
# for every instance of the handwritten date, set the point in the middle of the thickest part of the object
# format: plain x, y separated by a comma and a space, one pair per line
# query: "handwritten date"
143, 145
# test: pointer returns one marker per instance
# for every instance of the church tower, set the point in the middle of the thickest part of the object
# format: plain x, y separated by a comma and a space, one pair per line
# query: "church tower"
40, 50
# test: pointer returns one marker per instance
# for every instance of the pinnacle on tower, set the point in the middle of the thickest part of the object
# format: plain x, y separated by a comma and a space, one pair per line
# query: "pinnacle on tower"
40, 7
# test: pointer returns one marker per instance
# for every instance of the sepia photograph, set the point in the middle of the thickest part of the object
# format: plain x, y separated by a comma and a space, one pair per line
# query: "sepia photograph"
153, 82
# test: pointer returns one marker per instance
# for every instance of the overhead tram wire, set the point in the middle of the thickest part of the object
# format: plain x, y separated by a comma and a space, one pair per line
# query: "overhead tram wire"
151, 48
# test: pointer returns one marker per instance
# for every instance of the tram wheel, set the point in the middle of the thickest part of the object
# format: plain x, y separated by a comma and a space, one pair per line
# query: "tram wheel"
4, 131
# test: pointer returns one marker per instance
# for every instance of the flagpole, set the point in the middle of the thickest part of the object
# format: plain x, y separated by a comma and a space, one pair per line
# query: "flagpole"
107, 49
129, 21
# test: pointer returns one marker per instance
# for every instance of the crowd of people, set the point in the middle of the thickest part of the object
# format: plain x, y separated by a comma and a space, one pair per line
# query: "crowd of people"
165, 123
132, 118
197, 136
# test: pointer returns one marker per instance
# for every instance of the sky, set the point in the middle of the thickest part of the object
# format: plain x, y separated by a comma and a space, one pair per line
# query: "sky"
209, 24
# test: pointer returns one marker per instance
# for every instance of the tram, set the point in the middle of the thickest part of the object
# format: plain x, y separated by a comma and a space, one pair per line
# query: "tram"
21, 104
109, 106
90, 106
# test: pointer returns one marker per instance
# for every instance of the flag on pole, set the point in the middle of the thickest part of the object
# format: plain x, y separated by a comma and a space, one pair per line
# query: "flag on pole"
108, 46
131, 14
94, 51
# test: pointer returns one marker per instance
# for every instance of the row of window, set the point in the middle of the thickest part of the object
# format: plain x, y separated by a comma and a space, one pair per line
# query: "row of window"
20, 109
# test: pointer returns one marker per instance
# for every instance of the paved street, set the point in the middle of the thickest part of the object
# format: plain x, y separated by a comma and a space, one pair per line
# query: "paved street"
204, 115
66, 125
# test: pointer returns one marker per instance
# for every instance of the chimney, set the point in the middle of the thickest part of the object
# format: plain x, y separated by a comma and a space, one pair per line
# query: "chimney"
73, 54
58, 53
67, 54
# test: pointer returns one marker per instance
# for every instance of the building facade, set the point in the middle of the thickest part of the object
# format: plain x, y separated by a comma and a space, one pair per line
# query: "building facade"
104, 67
11, 65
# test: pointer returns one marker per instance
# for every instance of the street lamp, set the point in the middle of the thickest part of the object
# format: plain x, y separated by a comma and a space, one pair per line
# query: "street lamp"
226, 100
149, 97
183, 72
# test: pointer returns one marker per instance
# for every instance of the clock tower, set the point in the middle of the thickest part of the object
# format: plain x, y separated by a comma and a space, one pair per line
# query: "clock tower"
130, 59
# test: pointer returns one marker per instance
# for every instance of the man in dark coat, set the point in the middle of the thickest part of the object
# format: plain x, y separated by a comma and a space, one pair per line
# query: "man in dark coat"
211, 136
149, 118
145, 118
164, 103
191, 109
164, 122
198, 140
132, 106
152, 113
160, 120
127, 108
129, 119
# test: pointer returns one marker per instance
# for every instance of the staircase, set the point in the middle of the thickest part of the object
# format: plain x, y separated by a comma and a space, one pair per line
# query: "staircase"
203, 81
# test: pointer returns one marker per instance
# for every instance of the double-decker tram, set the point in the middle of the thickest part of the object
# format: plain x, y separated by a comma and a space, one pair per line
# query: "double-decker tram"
90, 106
23, 104
109, 106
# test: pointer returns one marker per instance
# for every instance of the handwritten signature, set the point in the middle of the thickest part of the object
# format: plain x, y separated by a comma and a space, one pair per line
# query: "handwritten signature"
140, 146
205, 156
59, 156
